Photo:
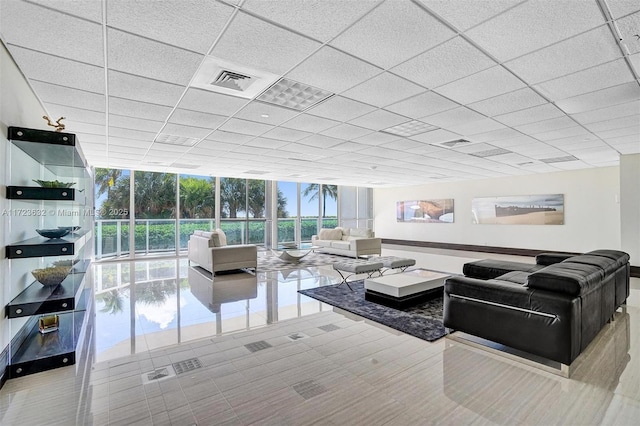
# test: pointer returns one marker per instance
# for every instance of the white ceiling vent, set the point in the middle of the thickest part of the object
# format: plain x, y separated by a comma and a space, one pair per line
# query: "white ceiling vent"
218, 75
559, 159
457, 142
167, 139
490, 152
293, 95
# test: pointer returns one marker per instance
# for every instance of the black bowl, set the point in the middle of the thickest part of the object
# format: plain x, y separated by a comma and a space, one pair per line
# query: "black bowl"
52, 233
71, 229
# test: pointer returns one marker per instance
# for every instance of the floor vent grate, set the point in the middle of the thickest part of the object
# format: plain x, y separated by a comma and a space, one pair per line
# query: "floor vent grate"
257, 346
297, 336
187, 365
158, 374
309, 388
329, 327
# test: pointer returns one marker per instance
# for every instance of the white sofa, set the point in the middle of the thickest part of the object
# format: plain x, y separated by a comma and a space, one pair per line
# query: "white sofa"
211, 252
353, 242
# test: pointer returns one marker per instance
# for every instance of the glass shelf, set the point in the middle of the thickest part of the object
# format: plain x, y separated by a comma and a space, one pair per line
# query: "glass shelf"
37, 299
41, 246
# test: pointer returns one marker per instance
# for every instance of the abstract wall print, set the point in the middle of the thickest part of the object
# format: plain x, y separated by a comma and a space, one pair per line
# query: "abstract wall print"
425, 211
546, 209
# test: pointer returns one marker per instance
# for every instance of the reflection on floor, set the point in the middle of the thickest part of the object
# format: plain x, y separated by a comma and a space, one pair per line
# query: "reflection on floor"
171, 348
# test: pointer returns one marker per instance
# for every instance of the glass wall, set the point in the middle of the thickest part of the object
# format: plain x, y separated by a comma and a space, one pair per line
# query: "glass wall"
287, 212
356, 207
155, 211
329, 206
197, 205
112, 212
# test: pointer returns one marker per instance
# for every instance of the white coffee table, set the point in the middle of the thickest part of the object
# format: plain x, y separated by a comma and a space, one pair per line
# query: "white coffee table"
405, 289
291, 253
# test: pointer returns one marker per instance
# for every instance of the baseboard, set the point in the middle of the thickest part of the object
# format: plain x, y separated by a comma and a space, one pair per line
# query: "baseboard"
635, 270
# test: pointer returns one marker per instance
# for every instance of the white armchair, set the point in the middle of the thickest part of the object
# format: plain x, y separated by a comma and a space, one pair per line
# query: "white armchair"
210, 251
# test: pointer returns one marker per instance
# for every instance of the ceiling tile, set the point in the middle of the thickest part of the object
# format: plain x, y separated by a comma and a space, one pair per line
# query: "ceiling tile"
245, 127
122, 135
255, 111
376, 38
469, 12
586, 81
509, 102
332, 70
485, 84
346, 132
562, 133
616, 133
378, 120
530, 115
340, 108
255, 43
475, 127
143, 89
91, 10
93, 129
282, 133
452, 117
63, 34
214, 103
321, 141
55, 70
188, 131
586, 50
445, 63
623, 93
137, 109
66, 96
495, 135
349, 147
216, 145
197, 119
422, 105
618, 123
546, 125
382, 90
628, 27
266, 143
620, 8
75, 114
140, 56
533, 25
166, 21
376, 138
608, 113
309, 17
127, 122
310, 123
402, 144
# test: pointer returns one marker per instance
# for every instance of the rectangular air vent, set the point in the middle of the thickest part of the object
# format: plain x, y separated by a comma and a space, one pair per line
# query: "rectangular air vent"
233, 80
457, 142
168, 139
559, 159
490, 152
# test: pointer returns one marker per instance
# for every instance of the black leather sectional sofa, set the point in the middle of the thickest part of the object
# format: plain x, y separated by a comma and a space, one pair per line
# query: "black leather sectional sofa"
553, 309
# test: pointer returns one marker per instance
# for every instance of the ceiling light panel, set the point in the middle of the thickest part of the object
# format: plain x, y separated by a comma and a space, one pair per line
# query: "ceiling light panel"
383, 89
410, 128
586, 50
258, 44
376, 39
447, 62
167, 139
517, 31
142, 89
293, 95
333, 70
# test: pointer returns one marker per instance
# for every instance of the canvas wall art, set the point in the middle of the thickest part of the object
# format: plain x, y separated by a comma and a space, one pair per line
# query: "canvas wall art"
546, 209
425, 211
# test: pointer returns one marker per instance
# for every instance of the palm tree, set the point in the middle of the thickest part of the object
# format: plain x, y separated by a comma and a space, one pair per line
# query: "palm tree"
232, 195
197, 198
313, 189
113, 302
105, 179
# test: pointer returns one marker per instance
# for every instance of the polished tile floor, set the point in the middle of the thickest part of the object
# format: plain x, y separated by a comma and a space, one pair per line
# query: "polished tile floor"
267, 355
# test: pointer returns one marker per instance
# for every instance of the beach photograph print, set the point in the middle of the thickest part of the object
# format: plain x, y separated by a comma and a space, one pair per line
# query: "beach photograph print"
425, 211
547, 209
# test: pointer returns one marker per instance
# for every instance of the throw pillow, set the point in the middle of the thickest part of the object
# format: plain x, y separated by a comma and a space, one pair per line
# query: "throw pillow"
222, 237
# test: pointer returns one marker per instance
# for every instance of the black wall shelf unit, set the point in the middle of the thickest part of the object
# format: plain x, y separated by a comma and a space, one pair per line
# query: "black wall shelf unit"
39, 193
41, 246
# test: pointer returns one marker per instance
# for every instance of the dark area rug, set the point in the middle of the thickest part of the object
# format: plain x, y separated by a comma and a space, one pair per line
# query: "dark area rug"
423, 320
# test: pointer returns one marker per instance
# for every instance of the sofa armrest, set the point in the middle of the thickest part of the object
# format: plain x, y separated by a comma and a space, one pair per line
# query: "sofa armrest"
494, 291
233, 254
361, 244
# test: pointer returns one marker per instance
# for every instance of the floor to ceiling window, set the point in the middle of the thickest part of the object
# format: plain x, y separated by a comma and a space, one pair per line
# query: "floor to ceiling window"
197, 201
112, 197
287, 212
155, 211
356, 207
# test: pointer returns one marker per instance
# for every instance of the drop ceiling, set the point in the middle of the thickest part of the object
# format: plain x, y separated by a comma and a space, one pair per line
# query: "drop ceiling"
531, 86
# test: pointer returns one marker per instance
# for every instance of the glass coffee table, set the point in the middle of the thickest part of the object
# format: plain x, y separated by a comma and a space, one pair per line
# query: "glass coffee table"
292, 252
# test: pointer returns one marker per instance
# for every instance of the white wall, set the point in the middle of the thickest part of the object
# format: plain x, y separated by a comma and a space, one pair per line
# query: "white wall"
630, 205
592, 212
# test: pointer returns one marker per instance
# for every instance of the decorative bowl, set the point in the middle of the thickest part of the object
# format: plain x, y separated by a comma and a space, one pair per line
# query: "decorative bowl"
52, 275
52, 233
53, 183
71, 229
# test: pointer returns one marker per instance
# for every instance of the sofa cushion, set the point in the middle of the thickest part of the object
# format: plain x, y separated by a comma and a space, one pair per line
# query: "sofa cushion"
220, 238
342, 245
516, 277
322, 243
360, 232
620, 257
607, 265
566, 277
330, 234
